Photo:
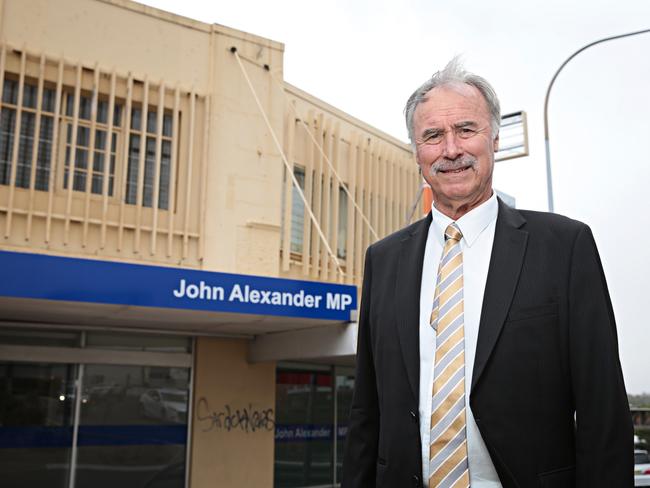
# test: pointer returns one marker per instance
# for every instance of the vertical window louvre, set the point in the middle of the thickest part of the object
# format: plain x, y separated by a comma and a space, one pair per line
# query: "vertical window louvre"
81, 170
297, 212
26, 134
135, 147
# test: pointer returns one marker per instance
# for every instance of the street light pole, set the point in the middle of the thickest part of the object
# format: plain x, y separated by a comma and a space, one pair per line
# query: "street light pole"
549, 181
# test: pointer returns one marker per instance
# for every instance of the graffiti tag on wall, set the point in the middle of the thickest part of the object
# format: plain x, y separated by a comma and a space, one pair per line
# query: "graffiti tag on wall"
245, 419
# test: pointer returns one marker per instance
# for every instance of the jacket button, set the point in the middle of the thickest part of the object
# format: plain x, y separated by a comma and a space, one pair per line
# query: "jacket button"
416, 480
414, 416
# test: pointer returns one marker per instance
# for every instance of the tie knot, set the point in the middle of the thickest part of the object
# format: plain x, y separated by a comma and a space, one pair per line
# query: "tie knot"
453, 232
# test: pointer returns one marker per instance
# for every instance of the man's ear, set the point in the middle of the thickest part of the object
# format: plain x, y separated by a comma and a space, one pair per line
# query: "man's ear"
496, 144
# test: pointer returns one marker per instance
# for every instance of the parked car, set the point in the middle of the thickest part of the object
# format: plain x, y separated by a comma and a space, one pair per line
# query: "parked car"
166, 404
641, 468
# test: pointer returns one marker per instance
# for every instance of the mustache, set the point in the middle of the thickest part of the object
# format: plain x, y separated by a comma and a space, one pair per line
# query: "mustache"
444, 164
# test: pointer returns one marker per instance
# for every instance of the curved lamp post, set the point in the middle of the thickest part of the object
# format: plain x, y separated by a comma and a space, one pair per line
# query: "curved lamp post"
549, 183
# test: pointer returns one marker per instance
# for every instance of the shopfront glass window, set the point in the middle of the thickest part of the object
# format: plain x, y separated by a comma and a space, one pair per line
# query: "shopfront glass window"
304, 448
36, 418
38, 337
133, 427
344, 389
97, 425
136, 342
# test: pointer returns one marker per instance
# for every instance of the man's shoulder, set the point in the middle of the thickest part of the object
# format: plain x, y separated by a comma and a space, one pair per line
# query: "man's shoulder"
392, 241
546, 221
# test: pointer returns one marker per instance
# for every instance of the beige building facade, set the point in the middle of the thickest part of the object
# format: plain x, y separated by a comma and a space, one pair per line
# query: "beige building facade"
183, 235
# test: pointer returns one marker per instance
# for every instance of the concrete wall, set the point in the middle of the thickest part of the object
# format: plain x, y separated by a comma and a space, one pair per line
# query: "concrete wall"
244, 181
234, 412
120, 34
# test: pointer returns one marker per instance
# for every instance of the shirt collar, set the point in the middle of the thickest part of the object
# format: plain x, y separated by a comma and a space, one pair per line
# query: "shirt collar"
472, 224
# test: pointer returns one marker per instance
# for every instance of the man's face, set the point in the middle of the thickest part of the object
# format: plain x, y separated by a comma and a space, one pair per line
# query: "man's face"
455, 147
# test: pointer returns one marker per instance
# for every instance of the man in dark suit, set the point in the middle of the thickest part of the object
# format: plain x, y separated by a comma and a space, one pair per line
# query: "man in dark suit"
487, 351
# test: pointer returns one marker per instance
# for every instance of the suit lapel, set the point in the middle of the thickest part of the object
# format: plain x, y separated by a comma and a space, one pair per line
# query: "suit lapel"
506, 261
407, 289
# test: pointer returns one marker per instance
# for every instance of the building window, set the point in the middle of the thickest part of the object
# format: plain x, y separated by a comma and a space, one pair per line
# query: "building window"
297, 212
87, 145
135, 146
90, 149
341, 245
298, 216
8, 130
84, 155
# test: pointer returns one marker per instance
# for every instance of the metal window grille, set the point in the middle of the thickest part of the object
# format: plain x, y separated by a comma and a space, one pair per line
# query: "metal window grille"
379, 173
101, 160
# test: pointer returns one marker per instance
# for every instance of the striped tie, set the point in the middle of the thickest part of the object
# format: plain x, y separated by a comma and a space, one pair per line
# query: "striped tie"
448, 466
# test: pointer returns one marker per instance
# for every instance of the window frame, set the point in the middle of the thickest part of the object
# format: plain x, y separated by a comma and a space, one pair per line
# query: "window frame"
17, 131
167, 112
67, 122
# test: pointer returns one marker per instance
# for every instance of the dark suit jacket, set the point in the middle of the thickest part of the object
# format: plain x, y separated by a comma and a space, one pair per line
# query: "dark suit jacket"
547, 349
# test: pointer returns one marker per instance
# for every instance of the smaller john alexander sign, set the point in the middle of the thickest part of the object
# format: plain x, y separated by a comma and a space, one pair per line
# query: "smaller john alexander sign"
86, 280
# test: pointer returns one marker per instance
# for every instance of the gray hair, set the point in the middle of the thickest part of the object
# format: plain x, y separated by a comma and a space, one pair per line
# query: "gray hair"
454, 73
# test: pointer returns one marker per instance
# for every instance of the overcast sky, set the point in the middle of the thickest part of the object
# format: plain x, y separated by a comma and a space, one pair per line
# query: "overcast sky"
366, 57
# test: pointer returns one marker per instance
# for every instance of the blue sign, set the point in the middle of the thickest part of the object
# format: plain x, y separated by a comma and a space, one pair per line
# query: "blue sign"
84, 280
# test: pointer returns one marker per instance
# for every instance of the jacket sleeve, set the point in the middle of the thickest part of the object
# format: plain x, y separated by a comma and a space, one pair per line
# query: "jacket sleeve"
359, 462
604, 433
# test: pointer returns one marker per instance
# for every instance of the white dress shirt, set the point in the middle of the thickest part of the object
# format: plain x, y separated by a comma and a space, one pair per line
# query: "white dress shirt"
477, 227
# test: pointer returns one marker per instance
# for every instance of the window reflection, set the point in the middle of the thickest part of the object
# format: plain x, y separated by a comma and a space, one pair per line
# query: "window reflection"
303, 436
307, 453
132, 430
133, 427
344, 390
36, 405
